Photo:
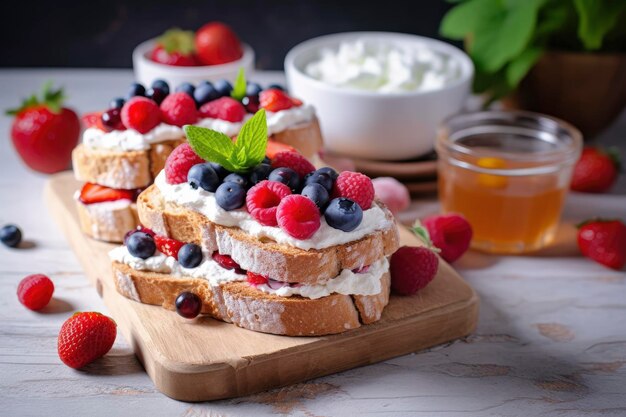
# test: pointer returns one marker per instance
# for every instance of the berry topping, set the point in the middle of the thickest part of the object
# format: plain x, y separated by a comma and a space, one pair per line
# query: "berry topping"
135, 90
321, 178
216, 43
226, 262
141, 114
317, 194
112, 119
117, 103
94, 120
190, 255
11, 235
451, 233
263, 199
224, 108
186, 88
179, 162
412, 268
230, 196
203, 176
260, 173
156, 94
275, 100
343, 214
141, 245
298, 216
85, 337
328, 171
604, 241
162, 85
223, 87
168, 246
253, 89
188, 305
35, 291
256, 279
238, 178
595, 171
179, 109
355, 186
175, 47
138, 229
294, 161
95, 193
251, 103
219, 170
276, 87
392, 192
287, 176
204, 93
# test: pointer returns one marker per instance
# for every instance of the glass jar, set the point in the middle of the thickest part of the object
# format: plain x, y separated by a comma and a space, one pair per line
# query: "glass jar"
508, 173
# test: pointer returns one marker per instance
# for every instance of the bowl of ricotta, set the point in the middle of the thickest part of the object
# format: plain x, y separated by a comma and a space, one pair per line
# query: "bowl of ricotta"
379, 95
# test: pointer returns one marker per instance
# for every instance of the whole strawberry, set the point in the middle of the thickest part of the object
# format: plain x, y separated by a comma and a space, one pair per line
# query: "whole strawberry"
604, 241
595, 171
44, 132
451, 233
412, 268
85, 337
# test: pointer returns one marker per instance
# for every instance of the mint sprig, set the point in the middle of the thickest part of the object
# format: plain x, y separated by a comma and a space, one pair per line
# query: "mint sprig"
239, 89
240, 156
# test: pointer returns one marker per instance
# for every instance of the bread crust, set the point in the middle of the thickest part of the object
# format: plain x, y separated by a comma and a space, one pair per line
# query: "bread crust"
305, 137
103, 222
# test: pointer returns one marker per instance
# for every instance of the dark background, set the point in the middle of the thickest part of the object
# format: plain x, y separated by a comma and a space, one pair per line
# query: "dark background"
104, 33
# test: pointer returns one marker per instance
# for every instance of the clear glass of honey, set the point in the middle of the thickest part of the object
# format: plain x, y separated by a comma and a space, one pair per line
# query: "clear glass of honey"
508, 173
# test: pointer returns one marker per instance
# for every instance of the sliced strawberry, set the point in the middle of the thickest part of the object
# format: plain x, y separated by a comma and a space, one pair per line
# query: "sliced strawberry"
256, 279
94, 119
94, 193
274, 147
168, 246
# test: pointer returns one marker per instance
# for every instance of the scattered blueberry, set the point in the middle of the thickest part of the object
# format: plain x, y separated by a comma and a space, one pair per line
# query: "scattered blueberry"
111, 118
188, 305
277, 86
141, 245
317, 193
328, 171
260, 173
343, 214
162, 84
287, 176
253, 89
136, 89
156, 94
186, 88
223, 87
190, 255
320, 178
117, 103
203, 176
204, 93
230, 196
219, 170
238, 178
11, 235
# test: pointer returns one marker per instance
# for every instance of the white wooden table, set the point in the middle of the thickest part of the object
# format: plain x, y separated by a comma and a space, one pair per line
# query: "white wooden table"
551, 338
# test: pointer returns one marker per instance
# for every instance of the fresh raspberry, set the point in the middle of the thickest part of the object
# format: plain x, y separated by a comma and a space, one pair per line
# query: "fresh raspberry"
179, 163
85, 337
604, 241
226, 262
294, 161
412, 268
168, 246
298, 216
179, 109
141, 114
451, 233
256, 279
263, 199
596, 170
392, 192
35, 291
224, 108
275, 100
355, 186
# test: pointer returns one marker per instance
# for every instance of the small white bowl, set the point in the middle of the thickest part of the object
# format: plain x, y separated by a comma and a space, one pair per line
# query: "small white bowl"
147, 70
373, 125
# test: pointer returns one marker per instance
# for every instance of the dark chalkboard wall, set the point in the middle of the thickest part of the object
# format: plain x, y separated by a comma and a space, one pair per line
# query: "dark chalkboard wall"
104, 33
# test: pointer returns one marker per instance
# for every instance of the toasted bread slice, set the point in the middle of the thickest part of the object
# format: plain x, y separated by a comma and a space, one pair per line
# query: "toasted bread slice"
305, 137
249, 308
107, 221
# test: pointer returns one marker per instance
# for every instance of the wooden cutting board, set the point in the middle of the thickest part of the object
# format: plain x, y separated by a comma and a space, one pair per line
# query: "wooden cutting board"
205, 359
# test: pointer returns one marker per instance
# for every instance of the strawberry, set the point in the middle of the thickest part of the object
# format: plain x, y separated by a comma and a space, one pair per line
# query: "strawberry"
94, 119
85, 337
256, 279
44, 132
274, 147
175, 47
412, 269
275, 100
95, 193
596, 170
604, 241
451, 233
216, 43
168, 246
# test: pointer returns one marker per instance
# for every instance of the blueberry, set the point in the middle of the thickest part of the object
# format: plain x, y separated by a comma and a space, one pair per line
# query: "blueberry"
343, 214
117, 103
11, 235
156, 94
328, 171
204, 93
186, 88
230, 196
136, 89
219, 170
320, 178
190, 255
223, 87
111, 118
267, 160
188, 305
276, 86
238, 178
260, 173
287, 176
203, 176
162, 84
141, 245
251, 103
253, 89
317, 193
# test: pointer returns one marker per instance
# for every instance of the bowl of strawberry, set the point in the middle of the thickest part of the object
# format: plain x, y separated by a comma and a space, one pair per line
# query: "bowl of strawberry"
212, 52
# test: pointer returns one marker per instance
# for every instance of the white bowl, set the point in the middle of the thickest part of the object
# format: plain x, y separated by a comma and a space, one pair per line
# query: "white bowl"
147, 70
372, 125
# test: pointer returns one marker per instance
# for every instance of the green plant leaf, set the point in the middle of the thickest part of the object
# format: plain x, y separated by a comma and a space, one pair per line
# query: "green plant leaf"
239, 89
211, 146
596, 19
253, 139
517, 69
466, 18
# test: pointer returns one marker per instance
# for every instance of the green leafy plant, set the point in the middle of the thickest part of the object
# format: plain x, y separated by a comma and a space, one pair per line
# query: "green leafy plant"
240, 156
505, 38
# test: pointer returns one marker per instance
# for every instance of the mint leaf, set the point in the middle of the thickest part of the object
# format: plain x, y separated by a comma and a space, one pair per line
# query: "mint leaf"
239, 89
212, 146
252, 140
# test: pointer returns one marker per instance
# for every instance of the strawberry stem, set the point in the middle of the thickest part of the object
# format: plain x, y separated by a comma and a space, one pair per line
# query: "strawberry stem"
422, 233
50, 98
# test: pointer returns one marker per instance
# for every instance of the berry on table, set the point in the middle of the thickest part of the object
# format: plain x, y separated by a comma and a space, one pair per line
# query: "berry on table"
35, 291
238, 178
260, 173
117, 103
294, 161
179, 109
224, 108
186, 88
393, 193
230, 196
412, 269
11, 235
203, 176
223, 87
451, 233
190, 255
161, 84
263, 199
141, 114
141, 245
355, 186
179, 162
287, 176
204, 93
156, 94
298, 216
595, 171
343, 214
188, 305
135, 90
168, 246
85, 337
604, 241
317, 193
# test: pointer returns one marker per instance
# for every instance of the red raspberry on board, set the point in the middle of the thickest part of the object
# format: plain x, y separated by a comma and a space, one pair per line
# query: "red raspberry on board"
35, 291
179, 162
294, 161
224, 108
179, 109
85, 337
141, 114
263, 199
604, 241
355, 186
298, 216
412, 269
451, 233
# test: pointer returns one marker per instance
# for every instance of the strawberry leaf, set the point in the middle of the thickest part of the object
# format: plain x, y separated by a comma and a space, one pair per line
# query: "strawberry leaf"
239, 89
52, 99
